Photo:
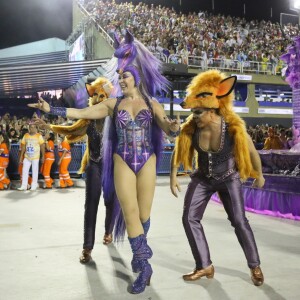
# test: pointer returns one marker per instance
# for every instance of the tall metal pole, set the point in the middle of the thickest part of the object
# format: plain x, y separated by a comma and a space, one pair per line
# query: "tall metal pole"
271, 12
172, 102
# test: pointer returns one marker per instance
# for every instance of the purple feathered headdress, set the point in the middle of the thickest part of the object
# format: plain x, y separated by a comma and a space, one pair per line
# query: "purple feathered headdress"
133, 54
125, 52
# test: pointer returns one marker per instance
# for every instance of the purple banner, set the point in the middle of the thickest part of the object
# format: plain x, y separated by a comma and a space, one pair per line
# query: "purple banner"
280, 197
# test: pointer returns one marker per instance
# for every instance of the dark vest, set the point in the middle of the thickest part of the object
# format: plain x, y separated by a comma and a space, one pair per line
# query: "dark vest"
220, 164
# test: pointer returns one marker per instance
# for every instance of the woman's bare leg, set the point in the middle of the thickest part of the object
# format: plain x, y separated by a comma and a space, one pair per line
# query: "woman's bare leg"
126, 188
146, 179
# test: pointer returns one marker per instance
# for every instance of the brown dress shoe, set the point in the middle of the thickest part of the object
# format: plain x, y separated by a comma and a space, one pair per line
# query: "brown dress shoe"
86, 256
257, 276
107, 239
197, 274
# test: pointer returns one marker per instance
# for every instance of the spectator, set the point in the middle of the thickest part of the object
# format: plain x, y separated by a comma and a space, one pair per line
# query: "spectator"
21, 158
4, 160
13, 137
283, 139
32, 145
49, 160
273, 141
65, 157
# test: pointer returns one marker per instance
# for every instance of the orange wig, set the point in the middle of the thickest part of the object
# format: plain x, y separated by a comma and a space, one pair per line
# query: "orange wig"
219, 95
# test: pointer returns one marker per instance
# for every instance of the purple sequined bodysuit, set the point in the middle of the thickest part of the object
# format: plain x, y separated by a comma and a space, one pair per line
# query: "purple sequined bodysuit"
134, 137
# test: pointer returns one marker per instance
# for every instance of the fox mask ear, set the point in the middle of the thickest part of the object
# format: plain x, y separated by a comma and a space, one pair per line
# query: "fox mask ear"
89, 89
226, 86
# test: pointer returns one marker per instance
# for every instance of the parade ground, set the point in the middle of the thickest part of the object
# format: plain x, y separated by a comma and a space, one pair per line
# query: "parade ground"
41, 235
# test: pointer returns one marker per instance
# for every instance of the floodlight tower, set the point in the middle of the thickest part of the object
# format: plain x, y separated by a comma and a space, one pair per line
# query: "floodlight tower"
295, 6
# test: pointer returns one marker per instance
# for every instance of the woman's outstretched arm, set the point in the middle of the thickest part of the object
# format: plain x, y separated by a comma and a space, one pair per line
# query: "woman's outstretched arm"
98, 111
170, 127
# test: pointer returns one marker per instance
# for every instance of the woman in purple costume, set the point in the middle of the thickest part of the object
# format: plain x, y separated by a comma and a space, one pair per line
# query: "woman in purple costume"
136, 136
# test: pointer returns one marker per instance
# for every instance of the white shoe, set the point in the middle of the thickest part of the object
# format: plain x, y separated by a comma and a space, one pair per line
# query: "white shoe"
33, 189
21, 189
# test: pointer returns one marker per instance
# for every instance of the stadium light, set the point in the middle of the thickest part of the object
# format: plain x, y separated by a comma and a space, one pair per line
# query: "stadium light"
295, 5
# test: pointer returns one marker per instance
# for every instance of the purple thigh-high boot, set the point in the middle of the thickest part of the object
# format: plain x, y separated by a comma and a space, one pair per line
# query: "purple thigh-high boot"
134, 263
141, 253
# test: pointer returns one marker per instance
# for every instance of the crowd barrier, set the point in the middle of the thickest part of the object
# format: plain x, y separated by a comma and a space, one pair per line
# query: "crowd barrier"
272, 161
77, 151
280, 195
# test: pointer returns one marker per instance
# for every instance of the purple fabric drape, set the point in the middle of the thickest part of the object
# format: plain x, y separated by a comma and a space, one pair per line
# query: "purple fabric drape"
280, 197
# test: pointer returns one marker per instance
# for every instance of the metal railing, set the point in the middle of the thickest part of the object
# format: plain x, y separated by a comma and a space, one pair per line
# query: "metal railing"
103, 33
225, 64
77, 152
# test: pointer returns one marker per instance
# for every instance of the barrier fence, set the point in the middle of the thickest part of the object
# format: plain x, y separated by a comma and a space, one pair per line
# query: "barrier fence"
77, 151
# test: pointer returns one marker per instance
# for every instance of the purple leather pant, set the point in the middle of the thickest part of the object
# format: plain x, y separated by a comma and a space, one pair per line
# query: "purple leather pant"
197, 196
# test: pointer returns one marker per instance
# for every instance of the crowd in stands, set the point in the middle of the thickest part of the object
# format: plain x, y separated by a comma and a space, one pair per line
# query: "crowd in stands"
13, 126
271, 137
13, 130
209, 37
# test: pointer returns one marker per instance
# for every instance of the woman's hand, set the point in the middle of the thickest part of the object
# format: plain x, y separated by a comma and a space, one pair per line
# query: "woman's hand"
174, 124
41, 105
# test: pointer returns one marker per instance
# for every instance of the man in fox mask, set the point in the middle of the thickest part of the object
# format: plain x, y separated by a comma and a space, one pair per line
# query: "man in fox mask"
225, 156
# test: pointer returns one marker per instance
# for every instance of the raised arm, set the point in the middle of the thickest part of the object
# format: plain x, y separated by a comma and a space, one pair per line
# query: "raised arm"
98, 111
170, 127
